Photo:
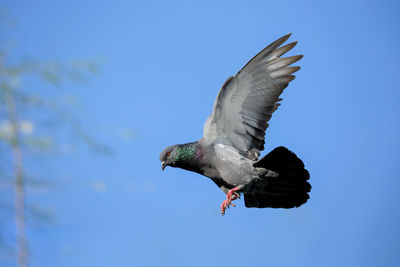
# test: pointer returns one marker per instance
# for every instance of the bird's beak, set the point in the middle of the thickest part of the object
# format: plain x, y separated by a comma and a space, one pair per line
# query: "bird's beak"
163, 165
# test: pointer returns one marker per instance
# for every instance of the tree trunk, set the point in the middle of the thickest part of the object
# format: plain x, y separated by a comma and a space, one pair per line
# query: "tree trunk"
19, 186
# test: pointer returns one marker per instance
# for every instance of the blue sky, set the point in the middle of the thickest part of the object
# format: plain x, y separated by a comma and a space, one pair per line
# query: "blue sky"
162, 64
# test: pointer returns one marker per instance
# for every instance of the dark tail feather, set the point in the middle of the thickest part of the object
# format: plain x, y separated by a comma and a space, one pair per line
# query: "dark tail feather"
288, 190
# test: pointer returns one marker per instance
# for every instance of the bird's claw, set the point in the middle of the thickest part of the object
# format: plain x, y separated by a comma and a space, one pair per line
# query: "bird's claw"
230, 196
226, 204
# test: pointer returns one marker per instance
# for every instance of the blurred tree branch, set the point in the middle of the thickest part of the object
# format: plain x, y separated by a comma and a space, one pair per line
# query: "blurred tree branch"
19, 118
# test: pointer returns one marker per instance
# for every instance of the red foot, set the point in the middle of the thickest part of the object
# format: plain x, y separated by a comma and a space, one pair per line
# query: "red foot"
230, 196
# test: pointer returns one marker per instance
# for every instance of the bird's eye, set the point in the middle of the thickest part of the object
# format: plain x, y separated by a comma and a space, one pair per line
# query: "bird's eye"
168, 154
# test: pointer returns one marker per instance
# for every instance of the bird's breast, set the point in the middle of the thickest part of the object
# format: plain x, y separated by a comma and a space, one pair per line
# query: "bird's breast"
230, 166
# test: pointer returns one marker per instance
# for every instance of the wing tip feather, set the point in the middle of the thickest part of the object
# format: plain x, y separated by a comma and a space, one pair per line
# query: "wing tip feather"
283, 39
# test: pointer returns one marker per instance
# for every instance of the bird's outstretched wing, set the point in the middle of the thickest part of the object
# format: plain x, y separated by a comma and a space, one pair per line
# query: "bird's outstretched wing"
247, 100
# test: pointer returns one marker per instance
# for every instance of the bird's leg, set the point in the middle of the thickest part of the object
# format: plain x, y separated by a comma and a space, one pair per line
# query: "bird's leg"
230, 196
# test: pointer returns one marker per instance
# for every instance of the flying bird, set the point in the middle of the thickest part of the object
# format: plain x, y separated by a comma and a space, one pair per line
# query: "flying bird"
234, 135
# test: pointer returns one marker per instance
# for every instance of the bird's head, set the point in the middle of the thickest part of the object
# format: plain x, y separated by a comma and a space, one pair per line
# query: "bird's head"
169, 156
182, 156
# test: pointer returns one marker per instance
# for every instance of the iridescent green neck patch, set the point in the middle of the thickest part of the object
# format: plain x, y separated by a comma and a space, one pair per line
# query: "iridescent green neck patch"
186, 152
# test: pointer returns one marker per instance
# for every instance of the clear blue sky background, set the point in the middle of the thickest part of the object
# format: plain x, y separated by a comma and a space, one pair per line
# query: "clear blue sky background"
163, 63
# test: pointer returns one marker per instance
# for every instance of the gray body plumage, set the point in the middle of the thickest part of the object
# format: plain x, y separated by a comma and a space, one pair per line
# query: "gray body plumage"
234, 133
227, 167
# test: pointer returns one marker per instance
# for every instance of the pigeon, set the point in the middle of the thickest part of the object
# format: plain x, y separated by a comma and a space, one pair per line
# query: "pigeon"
234, 134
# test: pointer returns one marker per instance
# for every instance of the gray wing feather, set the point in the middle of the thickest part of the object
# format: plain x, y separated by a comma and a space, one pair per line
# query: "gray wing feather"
247, 100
